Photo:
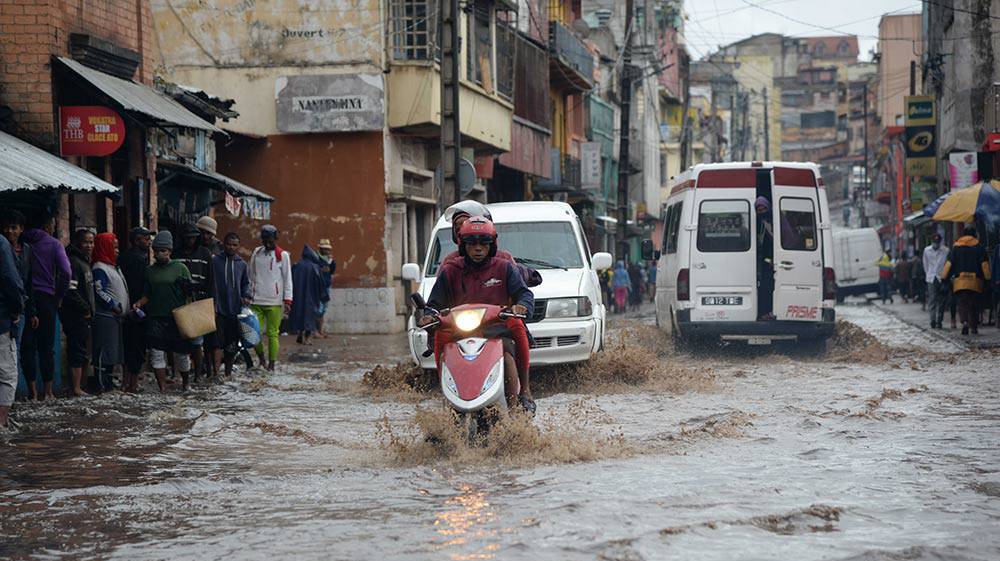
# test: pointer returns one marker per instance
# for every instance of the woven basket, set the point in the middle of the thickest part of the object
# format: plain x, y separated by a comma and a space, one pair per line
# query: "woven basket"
196, 319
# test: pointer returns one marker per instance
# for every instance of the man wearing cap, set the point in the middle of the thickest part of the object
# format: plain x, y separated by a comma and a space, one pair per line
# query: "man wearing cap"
198, 260
134, 263
326, 254
271, 289
166, 288
208, 228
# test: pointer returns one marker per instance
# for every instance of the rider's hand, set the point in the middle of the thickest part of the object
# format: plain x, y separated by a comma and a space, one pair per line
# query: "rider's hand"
519, 310
424, 320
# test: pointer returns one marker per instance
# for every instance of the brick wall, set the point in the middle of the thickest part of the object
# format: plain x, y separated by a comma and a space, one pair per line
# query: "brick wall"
31, 31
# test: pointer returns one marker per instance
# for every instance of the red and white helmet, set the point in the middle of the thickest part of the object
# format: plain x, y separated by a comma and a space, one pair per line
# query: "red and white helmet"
478, 229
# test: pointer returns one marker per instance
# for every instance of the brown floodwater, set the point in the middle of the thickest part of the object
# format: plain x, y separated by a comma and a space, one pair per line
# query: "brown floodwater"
885, 450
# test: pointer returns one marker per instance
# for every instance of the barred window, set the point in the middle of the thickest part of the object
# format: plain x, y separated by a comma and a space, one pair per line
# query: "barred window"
506, 56
413, 26
479, 68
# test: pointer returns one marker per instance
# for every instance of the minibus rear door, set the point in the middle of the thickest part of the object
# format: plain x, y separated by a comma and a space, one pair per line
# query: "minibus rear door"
798, 261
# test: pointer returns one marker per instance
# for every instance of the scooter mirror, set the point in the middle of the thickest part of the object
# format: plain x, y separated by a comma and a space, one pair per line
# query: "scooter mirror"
418, 300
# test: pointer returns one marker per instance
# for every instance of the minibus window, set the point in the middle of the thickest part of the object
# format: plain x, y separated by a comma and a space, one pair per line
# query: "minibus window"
724, 226
798, 224
673, 228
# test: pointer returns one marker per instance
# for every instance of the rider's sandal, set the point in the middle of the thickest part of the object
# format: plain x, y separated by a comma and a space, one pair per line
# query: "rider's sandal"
527, 404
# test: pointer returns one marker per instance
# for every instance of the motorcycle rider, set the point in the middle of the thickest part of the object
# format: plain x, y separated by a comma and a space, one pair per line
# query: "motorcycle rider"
481, 277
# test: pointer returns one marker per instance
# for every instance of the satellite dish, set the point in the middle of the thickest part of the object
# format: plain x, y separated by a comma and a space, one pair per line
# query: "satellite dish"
466, 177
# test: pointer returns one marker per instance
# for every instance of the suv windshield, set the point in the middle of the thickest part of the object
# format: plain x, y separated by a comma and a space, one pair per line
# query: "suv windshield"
541, 245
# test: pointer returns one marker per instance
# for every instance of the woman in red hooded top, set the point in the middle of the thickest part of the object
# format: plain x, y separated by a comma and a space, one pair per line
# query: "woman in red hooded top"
111, 301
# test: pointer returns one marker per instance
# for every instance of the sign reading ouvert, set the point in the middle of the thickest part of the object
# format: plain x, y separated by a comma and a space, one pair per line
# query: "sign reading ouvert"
330, 103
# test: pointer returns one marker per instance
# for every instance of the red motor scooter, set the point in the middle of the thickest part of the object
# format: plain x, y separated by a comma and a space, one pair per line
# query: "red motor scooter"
472, 370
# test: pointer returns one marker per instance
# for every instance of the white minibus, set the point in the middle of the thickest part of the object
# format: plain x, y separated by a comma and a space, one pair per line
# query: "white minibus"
746, 254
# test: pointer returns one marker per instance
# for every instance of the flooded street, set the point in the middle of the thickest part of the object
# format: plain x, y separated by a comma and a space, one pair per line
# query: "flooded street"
884, 450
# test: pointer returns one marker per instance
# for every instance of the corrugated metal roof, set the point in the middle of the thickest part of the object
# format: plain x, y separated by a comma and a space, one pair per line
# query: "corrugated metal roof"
139, 98
225, 183
26, 167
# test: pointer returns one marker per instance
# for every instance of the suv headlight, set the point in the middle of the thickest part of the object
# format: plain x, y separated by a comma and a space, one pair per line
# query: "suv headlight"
569, 307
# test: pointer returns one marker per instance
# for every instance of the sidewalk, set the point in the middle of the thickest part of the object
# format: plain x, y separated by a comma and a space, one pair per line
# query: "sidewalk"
988, 337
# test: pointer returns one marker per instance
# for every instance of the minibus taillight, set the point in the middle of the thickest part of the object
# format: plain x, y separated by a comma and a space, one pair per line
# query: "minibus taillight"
684, 284
829, 284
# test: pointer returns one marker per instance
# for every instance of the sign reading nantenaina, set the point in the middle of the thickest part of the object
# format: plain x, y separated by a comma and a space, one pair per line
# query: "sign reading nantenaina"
330, 103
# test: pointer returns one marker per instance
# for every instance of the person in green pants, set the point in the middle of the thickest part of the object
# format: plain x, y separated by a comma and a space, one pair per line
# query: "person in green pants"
271, 290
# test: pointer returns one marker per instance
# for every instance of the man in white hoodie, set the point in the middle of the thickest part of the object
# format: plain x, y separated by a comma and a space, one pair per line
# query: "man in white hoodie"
271, 289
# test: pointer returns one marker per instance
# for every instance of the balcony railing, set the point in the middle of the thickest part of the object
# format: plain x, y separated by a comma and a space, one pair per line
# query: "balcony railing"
573, 64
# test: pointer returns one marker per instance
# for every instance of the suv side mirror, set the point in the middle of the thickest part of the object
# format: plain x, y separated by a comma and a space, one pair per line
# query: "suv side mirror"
411, 272
647, 250
601, 261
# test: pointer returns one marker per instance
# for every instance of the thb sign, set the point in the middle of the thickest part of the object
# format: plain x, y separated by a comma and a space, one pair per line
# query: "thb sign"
89, 130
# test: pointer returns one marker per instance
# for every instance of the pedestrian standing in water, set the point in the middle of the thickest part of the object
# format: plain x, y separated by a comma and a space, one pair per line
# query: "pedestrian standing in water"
111, 301
271, 286
329, 269
969, 271
50, 276
134, 264
934, 258
207, 228
622, 283
166, 289
885, 274
11, 302
198, 260
12, 224
307, 280
232, 290
917, 284
77, 309
903, 277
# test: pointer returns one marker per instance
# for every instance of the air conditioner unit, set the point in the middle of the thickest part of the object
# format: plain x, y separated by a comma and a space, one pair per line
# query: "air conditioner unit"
992, 113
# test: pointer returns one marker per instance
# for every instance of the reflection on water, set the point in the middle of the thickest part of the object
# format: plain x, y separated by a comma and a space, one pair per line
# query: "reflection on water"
466, 519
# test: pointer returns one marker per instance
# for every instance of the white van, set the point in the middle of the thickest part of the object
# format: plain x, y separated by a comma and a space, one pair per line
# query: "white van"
707, 274
568, 321
855, 259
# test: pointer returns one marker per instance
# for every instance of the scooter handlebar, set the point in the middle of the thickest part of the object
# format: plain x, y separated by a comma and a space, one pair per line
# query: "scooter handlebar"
511, 315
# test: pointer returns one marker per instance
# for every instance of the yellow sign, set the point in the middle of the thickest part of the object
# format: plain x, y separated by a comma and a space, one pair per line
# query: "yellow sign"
920, 141
920, 110
921, 167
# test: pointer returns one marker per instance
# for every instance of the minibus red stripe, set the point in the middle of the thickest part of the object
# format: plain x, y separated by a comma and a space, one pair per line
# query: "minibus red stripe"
686, 185
794, 177
728, 178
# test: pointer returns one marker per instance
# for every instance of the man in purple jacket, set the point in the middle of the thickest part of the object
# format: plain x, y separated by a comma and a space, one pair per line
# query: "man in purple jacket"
50, 276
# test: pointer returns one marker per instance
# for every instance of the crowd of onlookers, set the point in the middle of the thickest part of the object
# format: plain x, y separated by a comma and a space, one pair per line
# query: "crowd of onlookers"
117, 310
625, 287
957, 280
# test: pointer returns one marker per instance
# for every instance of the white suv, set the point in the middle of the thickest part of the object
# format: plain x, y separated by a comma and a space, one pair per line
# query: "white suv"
569, 316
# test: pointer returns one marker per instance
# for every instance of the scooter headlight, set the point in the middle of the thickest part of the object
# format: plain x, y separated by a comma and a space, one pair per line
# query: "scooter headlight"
492, 378
469, 320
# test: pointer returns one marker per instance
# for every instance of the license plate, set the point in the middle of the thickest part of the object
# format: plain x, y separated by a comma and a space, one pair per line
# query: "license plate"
722, 301
758, 341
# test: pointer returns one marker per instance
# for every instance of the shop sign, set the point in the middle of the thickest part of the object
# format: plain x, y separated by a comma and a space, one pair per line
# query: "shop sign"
89, 130
963, 169
920, 110
921, 147
330, 103
590, 165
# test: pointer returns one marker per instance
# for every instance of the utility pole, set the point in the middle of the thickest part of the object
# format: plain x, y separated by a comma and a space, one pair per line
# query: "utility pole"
865, 191
732, 121
767, 131
913, 77
744, 135
623, 156
451, 132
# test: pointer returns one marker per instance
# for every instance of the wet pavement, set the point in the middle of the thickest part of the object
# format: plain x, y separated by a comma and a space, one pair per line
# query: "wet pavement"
885, 449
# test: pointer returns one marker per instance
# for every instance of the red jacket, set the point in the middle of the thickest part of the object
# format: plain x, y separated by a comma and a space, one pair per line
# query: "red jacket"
531, 277
496, 281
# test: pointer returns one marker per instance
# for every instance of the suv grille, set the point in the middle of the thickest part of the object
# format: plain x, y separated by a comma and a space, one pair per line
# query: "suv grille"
538, 314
